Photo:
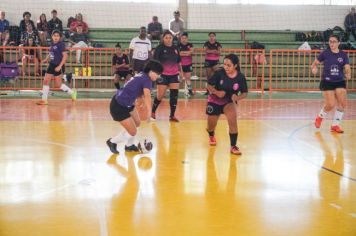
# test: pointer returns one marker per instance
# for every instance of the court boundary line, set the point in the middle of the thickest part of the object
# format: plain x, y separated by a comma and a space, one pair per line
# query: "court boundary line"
292, 139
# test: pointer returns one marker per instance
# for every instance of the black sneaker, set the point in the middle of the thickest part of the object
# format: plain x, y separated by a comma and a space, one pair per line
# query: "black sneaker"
190, 92
132, 148
112, 146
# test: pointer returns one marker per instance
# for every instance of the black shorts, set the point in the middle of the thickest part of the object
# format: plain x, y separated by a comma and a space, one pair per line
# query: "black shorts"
119, 112
138, 65
213, 109
51, 70
123, 74
187, 68
327, 85
211, 63
167, 79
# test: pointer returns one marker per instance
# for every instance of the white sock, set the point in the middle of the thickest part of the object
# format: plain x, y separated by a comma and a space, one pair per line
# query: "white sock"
131, 141
124, 136
322, 113
45, 91
66, 89
337, 117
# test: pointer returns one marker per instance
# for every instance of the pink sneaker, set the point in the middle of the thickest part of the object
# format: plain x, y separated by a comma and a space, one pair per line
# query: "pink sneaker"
337, 129
235, 150
212, 140
318, 121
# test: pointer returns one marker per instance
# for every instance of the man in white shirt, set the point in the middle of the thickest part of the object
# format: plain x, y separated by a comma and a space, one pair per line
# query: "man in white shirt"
176, 26
140, 51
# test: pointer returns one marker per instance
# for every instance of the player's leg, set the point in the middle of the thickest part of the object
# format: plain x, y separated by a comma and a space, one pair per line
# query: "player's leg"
58, 83
117, 81
341, 97
130, 145
45, 87
230, 113
213, 111
329, 102
121, 114
188, 82
173, 100
161, 91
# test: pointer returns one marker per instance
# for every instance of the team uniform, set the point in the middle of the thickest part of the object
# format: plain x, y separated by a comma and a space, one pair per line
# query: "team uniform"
186, 61
332, 79
123, 101
212, 59
170, 59
141, 48
222, 82
333, 72
55, 59
119, 60
56, 56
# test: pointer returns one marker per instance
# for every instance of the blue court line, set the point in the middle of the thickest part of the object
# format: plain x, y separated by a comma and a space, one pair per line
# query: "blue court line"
291, 142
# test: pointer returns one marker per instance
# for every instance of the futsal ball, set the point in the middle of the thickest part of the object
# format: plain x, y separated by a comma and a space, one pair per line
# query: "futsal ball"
145, 146
144, 163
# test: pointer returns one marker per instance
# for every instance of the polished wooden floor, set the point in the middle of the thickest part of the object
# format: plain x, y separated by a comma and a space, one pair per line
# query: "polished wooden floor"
57, 177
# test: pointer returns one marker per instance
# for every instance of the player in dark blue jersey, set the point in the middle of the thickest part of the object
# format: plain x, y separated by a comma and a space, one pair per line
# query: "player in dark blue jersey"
226, 88
57, 57
122, 106
333, 84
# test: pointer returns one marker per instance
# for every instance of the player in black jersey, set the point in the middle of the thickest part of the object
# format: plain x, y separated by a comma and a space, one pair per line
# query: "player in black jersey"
168, 55
121, 66
185, 52
226, 88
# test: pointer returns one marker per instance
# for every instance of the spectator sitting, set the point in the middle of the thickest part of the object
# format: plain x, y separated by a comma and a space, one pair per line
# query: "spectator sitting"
121, 66
26, 20
350, 22
4, 29
42, 28
55, 23
79, 21
154, 29
29, 33
79, 39
30, 54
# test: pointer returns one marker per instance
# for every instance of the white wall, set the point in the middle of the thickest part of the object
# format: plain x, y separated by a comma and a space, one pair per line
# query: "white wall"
200, 16
266, 17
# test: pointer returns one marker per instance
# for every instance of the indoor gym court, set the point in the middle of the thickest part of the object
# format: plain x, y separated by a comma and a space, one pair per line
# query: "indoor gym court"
58, 177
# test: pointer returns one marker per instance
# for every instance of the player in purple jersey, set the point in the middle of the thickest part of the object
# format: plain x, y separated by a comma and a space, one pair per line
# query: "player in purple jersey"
226, 88
333, 84
168, 55
185, 52
121, 66
122, 106
57, 57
